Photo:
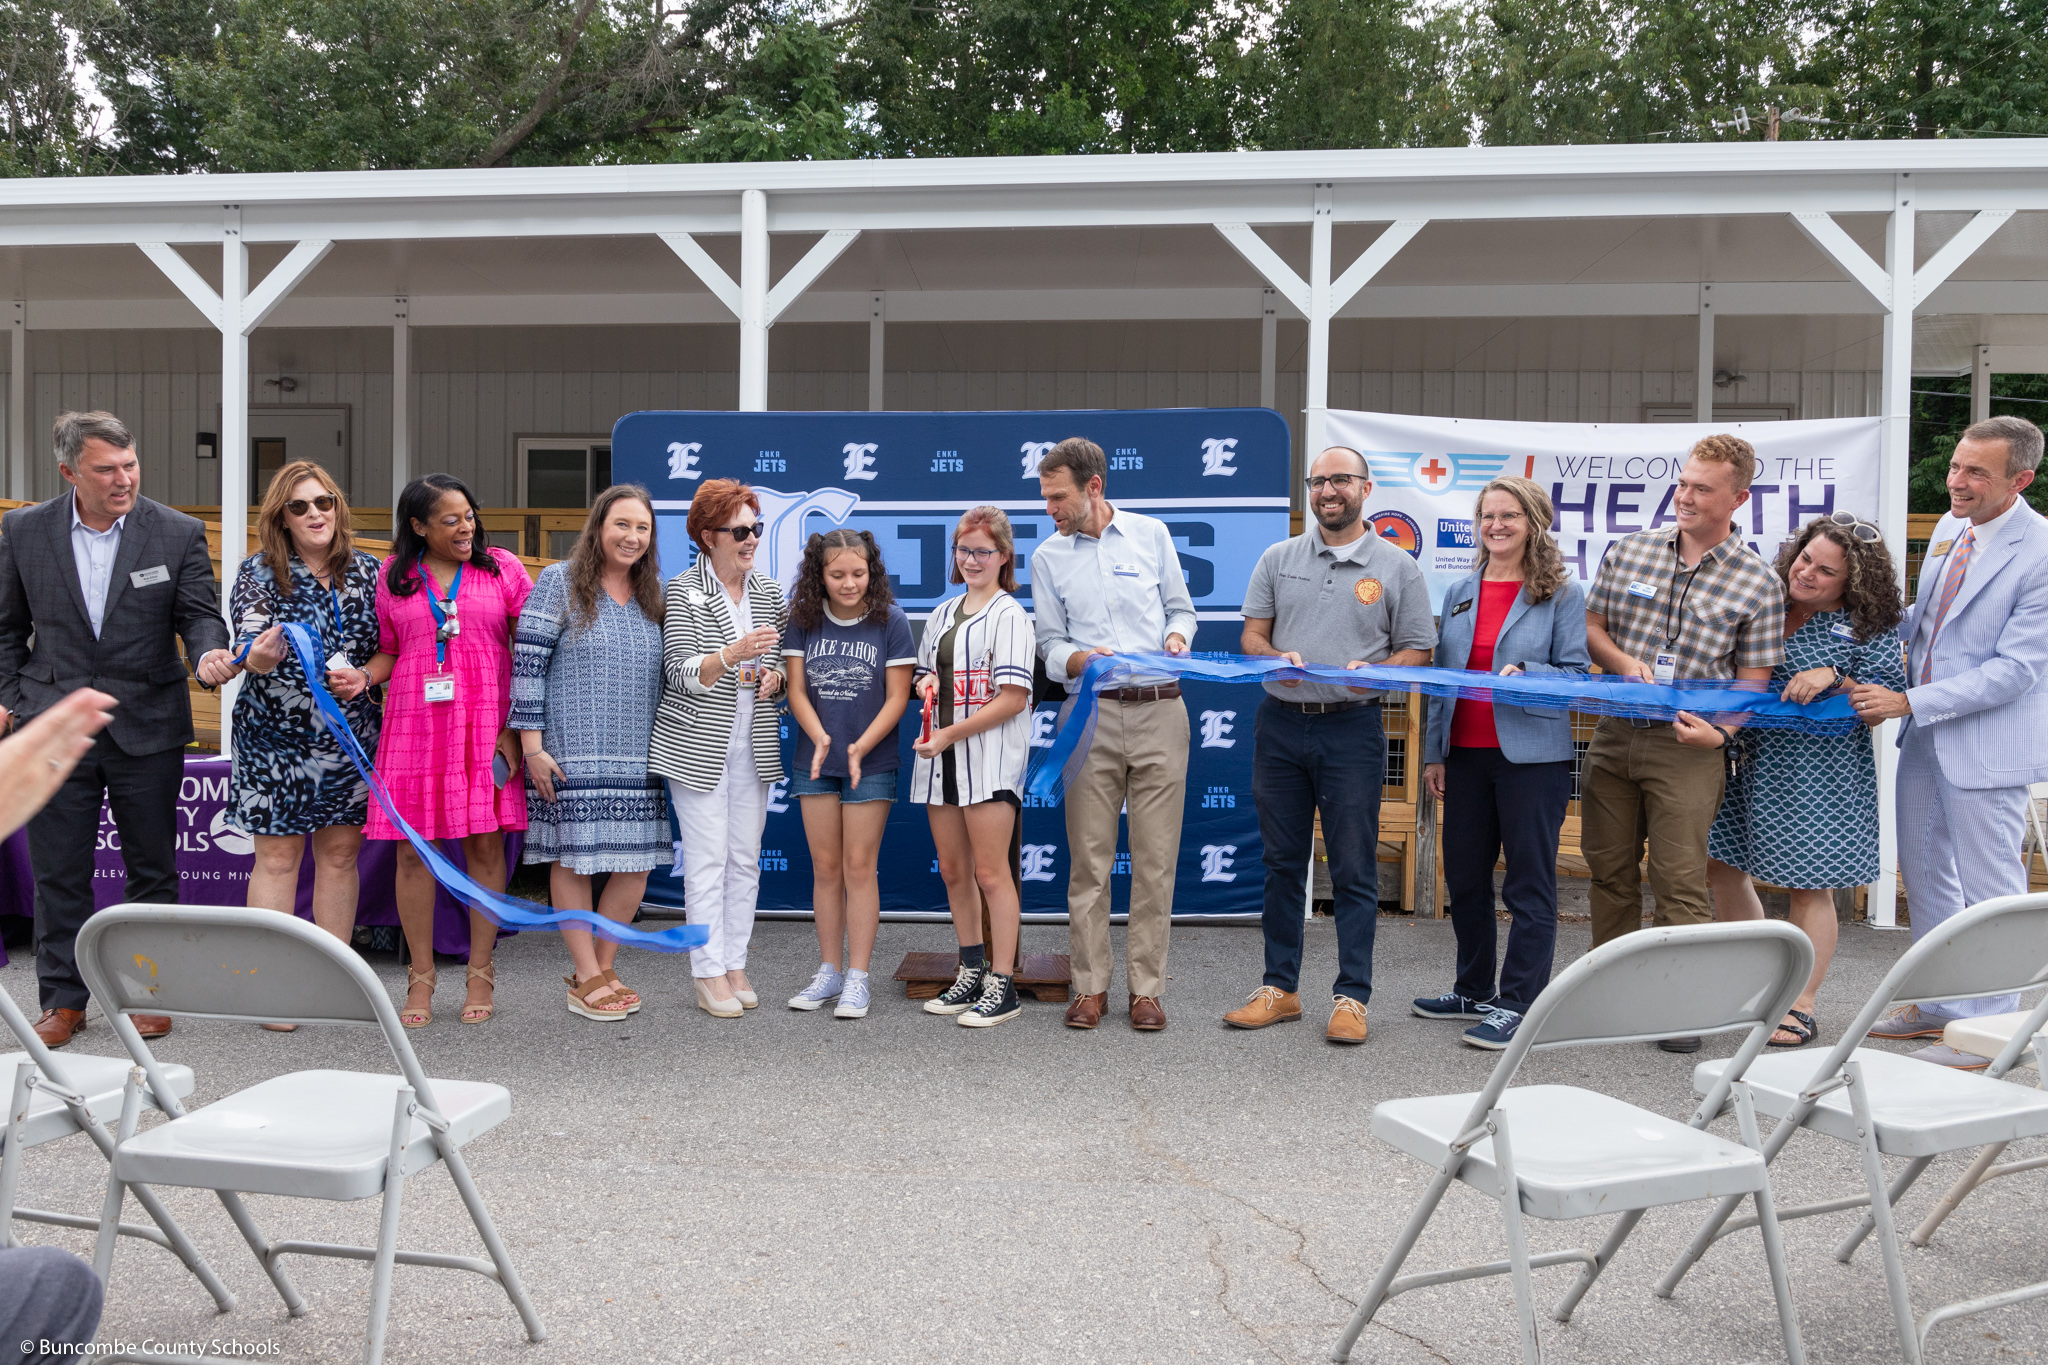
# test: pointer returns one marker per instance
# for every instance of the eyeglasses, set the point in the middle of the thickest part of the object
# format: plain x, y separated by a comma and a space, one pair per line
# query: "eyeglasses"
1504, 517
298, 506
1864, 531
970, 552
1341, 482
740, 534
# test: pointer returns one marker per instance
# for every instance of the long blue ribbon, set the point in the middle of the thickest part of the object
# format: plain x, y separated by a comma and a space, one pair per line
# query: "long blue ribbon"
505, 911
1053, 768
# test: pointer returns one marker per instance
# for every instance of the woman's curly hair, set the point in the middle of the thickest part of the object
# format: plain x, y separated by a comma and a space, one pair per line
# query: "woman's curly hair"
807, 596
1543, 568
1870, 587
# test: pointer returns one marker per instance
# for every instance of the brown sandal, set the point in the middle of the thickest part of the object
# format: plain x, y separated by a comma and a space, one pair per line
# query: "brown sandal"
417, 1019
626, 993
609, 1009
481, 1014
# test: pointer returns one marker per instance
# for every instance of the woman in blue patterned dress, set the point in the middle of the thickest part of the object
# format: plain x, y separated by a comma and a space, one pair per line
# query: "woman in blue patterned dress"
1801, 810
290, 778
586, 677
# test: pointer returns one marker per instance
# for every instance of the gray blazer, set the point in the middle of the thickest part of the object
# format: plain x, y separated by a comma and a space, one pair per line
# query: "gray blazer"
1987, 706
1549, 637
47, 649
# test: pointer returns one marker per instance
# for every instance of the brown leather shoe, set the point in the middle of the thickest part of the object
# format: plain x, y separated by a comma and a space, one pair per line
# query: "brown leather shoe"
151, 1025
56, 1026
1086, 1011
1347, 1021
1268, 1005
1147, 1014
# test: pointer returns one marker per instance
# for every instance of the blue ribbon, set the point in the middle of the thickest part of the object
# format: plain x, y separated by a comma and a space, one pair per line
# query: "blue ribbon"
507, 912
1605, 695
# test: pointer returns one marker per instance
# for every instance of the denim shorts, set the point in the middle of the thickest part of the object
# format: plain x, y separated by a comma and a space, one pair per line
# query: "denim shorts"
871, 787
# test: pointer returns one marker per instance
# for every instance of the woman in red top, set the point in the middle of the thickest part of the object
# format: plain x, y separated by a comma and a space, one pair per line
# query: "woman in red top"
1504, 772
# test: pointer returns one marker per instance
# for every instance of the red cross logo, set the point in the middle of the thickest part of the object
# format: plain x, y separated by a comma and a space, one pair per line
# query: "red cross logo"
1434, 472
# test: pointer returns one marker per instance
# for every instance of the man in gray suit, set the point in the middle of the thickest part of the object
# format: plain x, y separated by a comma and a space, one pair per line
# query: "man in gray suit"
94, 585
1976, 707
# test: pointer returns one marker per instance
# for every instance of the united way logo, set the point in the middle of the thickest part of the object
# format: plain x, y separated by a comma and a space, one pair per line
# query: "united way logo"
1216, 728
1432, 473
1217, 860
682, 460
1033, 452
1036, 862
1399, 530
860, 459
784, 517
1217, 454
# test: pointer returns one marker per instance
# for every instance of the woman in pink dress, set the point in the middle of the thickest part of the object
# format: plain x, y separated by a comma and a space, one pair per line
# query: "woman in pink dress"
447, 654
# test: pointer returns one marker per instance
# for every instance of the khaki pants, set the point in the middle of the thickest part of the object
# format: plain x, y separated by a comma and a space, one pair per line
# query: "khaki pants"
1643, 787
1139, 759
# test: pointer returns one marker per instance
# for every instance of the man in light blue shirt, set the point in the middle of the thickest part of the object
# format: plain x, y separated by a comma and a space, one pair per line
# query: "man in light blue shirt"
1111, 583
94, 552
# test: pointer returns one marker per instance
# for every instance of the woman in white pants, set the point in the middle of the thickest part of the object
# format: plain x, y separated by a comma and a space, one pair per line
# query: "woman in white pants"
715, 736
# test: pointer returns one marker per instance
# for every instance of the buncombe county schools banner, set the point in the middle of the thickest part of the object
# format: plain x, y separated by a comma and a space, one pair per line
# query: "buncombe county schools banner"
1218, 477
1604, 479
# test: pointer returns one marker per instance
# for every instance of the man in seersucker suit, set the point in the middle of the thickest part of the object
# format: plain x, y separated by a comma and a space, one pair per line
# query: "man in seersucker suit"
1976, 703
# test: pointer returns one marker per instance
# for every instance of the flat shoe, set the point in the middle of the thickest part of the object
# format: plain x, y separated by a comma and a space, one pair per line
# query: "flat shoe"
1802, 1029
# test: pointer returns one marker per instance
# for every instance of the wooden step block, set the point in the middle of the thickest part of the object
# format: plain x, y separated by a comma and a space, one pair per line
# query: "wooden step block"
1043, 976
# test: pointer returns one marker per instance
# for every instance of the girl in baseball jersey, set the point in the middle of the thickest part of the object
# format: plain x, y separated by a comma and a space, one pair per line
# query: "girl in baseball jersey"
974, 677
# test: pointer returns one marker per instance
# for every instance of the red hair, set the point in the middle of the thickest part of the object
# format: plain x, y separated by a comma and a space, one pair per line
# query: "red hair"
713, 506
991, 522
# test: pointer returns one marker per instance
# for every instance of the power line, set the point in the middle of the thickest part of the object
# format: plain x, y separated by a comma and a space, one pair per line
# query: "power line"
1996, 398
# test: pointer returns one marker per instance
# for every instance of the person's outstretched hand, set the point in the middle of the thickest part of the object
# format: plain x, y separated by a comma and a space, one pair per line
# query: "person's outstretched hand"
35, 762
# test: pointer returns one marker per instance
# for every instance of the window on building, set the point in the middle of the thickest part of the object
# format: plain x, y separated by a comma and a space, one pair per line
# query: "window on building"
563, 471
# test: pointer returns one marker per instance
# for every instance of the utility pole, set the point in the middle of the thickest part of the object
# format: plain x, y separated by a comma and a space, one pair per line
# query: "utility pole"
1770, 123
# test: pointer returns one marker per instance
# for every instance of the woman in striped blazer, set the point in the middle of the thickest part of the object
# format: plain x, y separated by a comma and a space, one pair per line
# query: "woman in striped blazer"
715, 734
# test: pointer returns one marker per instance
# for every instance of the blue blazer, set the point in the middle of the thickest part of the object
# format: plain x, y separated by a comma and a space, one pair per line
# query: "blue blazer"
1548, 637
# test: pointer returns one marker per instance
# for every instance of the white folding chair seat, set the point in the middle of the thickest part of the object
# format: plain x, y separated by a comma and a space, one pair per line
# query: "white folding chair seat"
1920, 1108
1987, 1034
312, 1134
1561, 1152
1578, 1153
100, 1079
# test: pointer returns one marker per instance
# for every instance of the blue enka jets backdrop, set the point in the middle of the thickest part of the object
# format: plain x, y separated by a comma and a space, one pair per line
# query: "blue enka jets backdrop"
1216, 476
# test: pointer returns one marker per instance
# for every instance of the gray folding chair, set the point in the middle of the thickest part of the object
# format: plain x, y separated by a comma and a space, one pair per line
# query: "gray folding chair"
1579, 1153
1886, 1104
341, 1135
53, 1098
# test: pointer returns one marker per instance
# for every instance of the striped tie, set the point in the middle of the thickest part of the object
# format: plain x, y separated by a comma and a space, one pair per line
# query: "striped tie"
1951, 584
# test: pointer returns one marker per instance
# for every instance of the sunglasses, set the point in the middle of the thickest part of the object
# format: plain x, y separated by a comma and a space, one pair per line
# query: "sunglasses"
298, 507
1864, 531
739, 534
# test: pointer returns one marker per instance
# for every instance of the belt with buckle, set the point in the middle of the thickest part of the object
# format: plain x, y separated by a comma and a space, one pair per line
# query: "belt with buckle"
1322, 708
1645, 723
1163, 692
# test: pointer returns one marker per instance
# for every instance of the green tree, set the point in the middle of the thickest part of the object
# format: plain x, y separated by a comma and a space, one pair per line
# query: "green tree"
1941, 409
785, 105
1356, 73
133, 47
1929, 68
44, 124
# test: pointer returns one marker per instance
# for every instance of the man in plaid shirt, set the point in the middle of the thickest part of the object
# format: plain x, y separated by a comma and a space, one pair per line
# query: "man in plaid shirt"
1672, 604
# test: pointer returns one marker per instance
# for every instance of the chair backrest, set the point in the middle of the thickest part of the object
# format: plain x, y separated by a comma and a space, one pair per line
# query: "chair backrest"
231, 962
1995, 947
38, 1051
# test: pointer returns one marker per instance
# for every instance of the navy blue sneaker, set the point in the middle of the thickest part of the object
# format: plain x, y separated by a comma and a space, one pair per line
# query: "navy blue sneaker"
1496, 1031
1451, 1005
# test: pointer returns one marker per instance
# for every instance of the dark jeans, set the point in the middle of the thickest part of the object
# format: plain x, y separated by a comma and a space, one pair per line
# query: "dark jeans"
1334, 763
1491, 803
48, 1298
142, 790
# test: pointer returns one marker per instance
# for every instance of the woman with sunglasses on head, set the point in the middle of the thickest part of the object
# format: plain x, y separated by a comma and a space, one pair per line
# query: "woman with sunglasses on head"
716, 737
586, 677
974, 673
446, 606
290, 777
1801, 810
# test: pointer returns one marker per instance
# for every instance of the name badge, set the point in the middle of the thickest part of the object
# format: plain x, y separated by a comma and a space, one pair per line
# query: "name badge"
1842, 630
1646, 591
441, 688
1125, 570
143, 578
338, 661
1939, 548
1461, 608
1665, 667
748, 673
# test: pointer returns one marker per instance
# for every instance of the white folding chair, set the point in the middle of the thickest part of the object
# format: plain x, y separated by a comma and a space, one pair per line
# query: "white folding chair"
53, 1098
1886, 1104
340, 1135
1579, 1153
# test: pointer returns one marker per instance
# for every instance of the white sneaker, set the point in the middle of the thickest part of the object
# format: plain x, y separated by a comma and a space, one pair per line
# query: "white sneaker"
853, 1001
823, 990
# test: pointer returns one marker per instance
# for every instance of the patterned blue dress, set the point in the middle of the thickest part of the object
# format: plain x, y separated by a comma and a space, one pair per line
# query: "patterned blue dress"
591, 692
1801, 811
290, 777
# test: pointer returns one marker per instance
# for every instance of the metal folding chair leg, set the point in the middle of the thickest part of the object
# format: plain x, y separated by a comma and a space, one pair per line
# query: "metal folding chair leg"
458, 1170
1767, 1227
1517, 1235
1881, 1214
1376, 1292
1619, 1233
387, 1226
1845, 1250
10, 1155
110, 1209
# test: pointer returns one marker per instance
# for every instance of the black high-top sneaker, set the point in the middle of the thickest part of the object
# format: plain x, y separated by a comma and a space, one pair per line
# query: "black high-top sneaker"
998, 1003
961, 995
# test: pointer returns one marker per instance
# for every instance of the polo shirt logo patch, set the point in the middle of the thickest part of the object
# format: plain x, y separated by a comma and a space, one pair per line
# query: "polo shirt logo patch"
1368, 590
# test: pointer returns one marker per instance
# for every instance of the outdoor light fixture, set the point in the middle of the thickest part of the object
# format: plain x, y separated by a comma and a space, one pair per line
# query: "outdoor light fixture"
1728, 379
208, 446
284, 383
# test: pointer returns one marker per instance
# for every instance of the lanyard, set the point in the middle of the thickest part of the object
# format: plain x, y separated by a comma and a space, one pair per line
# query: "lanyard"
334, 600
442, 619
1671, 635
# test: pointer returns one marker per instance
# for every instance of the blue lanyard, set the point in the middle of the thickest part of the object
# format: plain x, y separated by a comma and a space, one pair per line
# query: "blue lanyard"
441, 617
334, 600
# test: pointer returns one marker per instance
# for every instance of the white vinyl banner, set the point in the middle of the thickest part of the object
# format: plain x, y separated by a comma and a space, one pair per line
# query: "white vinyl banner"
1604, 479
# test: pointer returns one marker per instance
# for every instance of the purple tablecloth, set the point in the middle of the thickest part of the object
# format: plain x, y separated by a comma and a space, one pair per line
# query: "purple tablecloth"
214, 861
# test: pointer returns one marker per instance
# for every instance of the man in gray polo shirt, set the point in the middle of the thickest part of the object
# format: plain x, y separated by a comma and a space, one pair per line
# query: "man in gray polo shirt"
1336, 594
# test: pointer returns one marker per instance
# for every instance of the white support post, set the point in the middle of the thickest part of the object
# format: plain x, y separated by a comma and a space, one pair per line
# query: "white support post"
17, 404
1269, 344
1703, 381
753, 308
1316, 417
234, 433
401, 399
1980, 385
1896, 411
876, 336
